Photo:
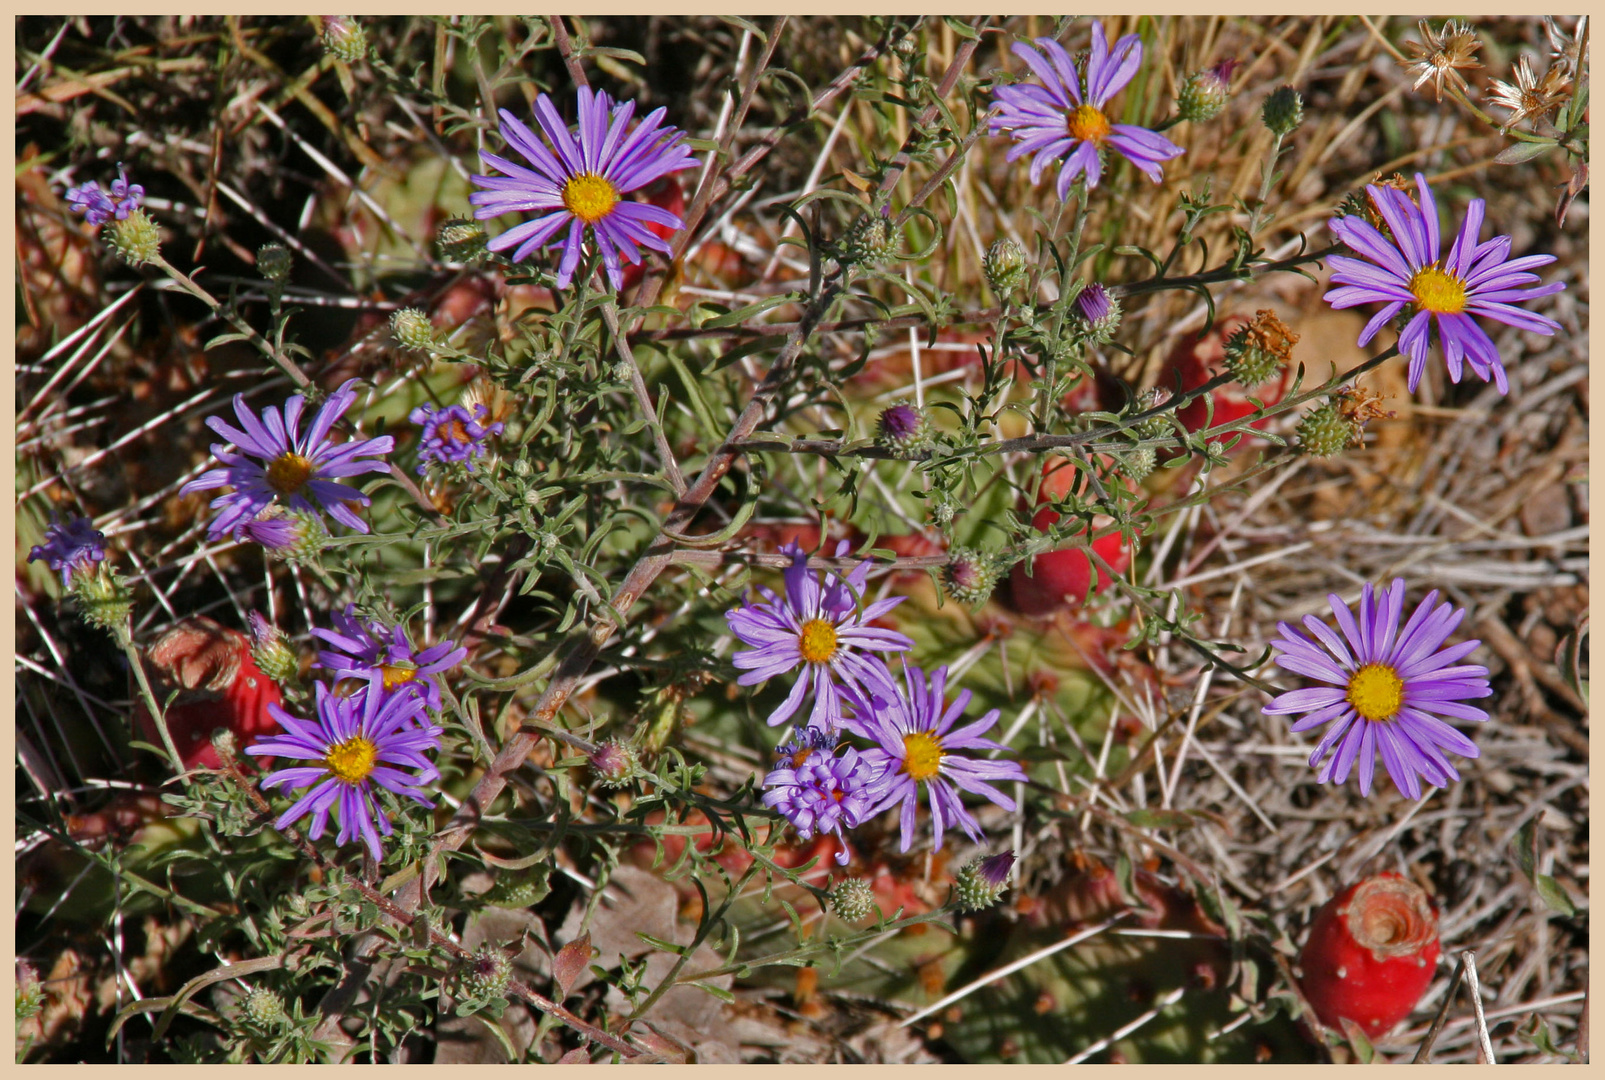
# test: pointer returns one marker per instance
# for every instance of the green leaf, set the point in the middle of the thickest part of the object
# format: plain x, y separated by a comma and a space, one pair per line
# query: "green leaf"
1161, 819
1516, 153
1363, 1050
1554, 895
744, 24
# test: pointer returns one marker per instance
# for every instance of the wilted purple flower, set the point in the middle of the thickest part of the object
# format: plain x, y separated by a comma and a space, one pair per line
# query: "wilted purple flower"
1386, 684
583, 183
817, 790
384, 658
1064, 117
354, 743
74, 546
292, 463
451, 434
915, 743
1404, 269
99, 207
818, 626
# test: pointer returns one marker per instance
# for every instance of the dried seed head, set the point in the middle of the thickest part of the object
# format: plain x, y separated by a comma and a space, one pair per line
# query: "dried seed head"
1257, 352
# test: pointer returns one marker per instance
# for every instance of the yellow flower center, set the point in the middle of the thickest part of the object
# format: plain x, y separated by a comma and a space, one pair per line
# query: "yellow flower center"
352, 760
287, 472
590, 197
1376, 692
397, 674
922, 755
817, 642
1087, 123
1438, 291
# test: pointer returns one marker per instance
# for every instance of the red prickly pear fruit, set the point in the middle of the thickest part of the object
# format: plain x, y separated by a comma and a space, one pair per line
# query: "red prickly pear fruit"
1060, 578
1371, 954
220, 687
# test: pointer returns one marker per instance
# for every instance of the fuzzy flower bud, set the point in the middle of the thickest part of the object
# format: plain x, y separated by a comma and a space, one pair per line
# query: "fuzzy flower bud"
135, 238
413, 328
103, 599
486, 973
461, 240
1204, 94
1138, 463
970, 575
294, 536
614, 763
1283, 111
1155, 427
853, 900
982, 880
273, 262
262, 1008
343, 37
1325, 432
271, 649
1099, 313
1004, 266
902, 429
868, 240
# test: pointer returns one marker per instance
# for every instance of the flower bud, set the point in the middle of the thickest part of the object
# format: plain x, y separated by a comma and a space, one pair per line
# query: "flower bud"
1325, 432
982, 880
1138, 462
104, 599
614, 763
262, 1008
868, 240
1155, 427
273, 262
487, 972
135, 238
413, 328
903, 429
461, 240
853, 900
970, 575
1099, 313
293, 536
224, 743
1283, 111
1004, 266
1256, 353
344, 38
1204, 94
271, 650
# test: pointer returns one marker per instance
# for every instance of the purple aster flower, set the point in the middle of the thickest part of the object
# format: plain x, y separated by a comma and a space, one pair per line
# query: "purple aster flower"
915, 743
1094, 303
99, 207
354, 743
1404, 269
1386, 684
451, 434
75, 546
293, 464
816, 625
580, 183
384, 658
819, 791
1064, 117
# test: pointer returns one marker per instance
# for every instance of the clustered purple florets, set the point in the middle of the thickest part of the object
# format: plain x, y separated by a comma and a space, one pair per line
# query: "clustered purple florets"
99, 207
71, 548
821, 787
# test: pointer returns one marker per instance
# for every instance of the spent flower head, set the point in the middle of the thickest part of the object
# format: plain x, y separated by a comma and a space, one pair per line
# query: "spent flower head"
1441, 55
1064, 117
354, 745
1406, 272
1387, 689
579, 183
294, 465
452, 434
1529, 97
1257, 351
817, 626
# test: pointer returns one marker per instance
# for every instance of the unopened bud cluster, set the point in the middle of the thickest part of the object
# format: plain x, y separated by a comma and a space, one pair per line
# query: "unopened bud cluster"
868, 240
1204, 94
1325, 432
903, 429
262, 1008
461, 240
486, 972
1283, 111
981, 881
344, 38
271, 650
413, 328
1004, 266
273, 262
970, 575
614, 763
135, 238
853, 900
